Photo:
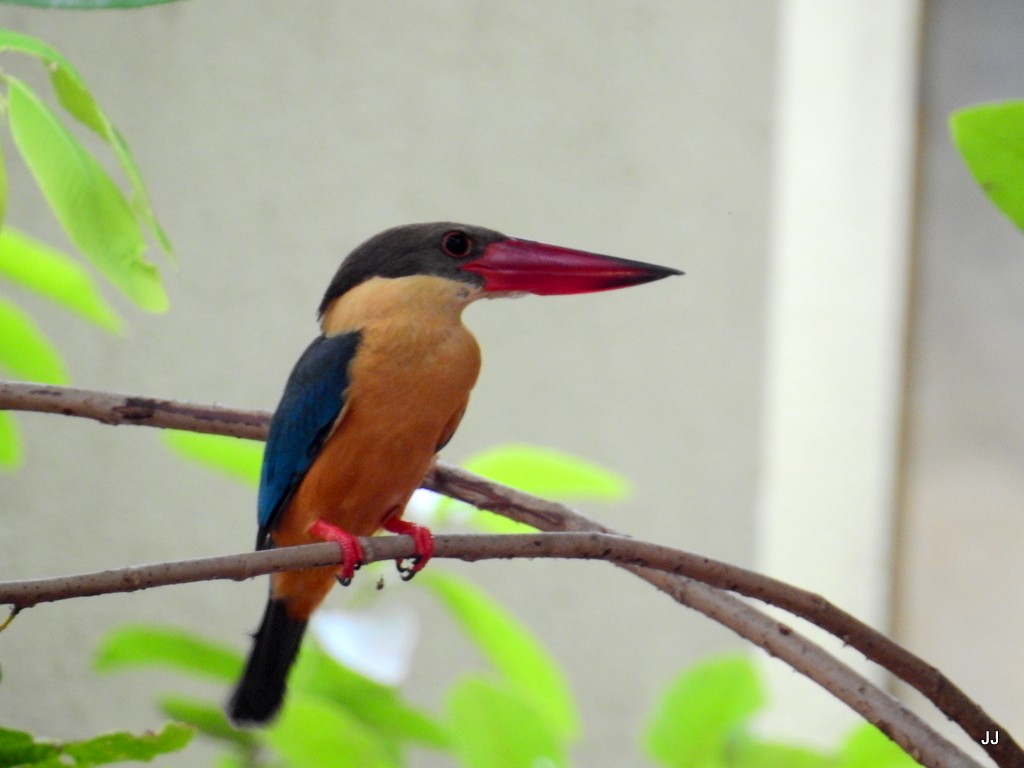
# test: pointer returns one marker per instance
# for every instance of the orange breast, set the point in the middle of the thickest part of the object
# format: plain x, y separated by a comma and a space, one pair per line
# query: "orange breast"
410, 384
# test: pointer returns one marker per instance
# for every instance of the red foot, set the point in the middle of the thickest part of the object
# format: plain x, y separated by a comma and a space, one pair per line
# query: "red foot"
351, 551
424, 540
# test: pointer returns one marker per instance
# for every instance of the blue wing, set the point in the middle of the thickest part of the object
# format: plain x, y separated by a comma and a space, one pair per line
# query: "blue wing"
312, 399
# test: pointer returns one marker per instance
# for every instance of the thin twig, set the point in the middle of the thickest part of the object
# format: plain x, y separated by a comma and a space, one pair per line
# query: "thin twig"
547, 515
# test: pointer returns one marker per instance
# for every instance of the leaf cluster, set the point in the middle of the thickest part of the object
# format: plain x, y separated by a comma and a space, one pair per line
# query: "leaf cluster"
519, 705
106, 226
516, 712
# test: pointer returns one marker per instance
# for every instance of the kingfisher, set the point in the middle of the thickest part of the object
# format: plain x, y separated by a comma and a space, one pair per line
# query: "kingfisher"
372, 400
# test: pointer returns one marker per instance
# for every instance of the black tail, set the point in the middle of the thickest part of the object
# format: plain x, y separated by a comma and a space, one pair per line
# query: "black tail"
261, 689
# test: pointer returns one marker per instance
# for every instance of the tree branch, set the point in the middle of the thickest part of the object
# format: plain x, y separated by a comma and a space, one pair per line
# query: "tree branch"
112, 408
673, 578
923, 743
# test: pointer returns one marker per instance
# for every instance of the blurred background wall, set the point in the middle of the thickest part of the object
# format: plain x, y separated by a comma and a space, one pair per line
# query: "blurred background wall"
275, 140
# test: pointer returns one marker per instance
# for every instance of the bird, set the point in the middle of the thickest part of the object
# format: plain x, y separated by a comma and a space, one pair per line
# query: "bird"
372, 400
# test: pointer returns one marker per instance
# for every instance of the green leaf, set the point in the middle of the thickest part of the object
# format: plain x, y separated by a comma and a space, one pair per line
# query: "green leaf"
509, 647
24, 351
314, 733
140, 200
234, 456
207, 718
868, 747
703, 713
10, 446
71, 89
548, 473
87, 203
19, 748
54, 276
75, 96
87, 5
167, 647
496, 726
376, 706
121, 747
544, 472
758, 754
33, 46
990, 138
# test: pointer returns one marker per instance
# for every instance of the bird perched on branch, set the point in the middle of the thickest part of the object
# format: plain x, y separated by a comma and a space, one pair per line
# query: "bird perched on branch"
374, 398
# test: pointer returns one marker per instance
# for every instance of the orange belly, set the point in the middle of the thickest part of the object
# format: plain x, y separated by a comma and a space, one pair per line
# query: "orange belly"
409, 389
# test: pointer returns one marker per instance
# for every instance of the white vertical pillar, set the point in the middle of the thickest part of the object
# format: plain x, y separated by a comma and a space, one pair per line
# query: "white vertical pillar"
839, 279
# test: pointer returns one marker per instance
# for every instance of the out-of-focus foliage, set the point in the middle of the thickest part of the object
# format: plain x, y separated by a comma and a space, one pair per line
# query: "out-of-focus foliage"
106, 226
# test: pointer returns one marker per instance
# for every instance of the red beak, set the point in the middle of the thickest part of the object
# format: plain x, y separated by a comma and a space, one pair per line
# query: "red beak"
547, 270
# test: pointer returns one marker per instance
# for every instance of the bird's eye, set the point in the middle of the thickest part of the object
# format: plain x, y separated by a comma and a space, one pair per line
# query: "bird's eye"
457, 244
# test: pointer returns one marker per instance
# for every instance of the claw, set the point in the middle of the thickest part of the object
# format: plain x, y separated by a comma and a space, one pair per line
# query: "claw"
351, 551
424, 540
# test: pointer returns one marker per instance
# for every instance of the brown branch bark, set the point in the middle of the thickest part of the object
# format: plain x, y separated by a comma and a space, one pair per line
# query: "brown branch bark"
112, 408
674, 580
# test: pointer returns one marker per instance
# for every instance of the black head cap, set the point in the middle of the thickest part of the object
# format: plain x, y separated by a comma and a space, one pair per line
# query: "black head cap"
438, 248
